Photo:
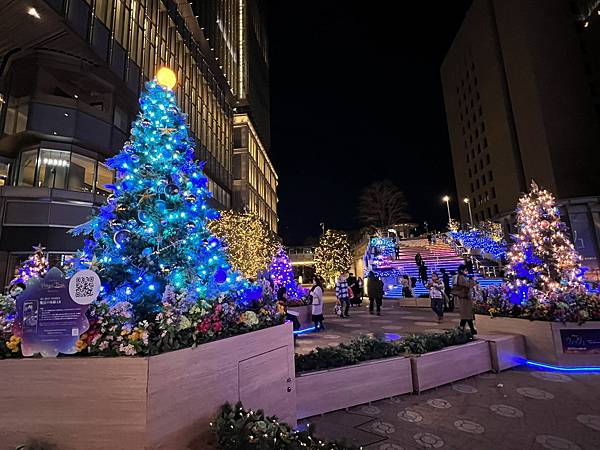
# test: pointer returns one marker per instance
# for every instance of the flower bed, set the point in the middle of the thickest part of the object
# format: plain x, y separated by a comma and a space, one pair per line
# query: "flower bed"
568, 305
161, 401
365, 349
180, 323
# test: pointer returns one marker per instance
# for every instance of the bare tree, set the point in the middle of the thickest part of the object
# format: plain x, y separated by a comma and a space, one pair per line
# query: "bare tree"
382, 204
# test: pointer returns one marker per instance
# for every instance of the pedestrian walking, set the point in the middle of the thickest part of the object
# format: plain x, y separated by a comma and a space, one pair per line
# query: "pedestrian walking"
418, 260
462, 290
374, 292
354, 292
341, 292
423, 273
406, 288
361, 288
436, 294
316, 301
448, 300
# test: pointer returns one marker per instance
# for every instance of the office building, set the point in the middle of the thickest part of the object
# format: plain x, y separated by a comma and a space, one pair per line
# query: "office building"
521, 105
70, 78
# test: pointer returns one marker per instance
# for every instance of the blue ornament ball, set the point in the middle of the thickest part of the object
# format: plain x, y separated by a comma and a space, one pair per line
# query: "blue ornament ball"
220, 276
147, 251
171, 189
121, 237
161, 205
143, 216
135, 159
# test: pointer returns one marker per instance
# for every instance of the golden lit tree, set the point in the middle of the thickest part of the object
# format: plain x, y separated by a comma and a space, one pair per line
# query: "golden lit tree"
249, 241
333, 255
542, 256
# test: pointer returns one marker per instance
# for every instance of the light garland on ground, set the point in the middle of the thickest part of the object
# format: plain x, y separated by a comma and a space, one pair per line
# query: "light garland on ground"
478, 240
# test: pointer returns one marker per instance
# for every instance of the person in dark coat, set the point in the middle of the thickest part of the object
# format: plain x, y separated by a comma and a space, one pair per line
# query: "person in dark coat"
353, 285
462, 290
374, 292
418, 260
423, 273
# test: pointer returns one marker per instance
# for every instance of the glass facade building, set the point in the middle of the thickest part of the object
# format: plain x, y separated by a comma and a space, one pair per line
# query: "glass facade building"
69, 88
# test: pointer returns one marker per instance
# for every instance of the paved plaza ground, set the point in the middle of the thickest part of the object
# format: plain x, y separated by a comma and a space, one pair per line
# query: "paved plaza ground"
519, 409
394, 321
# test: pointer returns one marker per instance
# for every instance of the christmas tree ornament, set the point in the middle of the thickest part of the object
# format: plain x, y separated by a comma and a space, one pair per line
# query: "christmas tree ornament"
171, 189
122, 237
143, 216
190, 198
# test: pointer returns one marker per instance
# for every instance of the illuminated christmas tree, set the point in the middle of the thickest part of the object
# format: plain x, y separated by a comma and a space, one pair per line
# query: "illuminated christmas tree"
542, 256
333, 255
249, 242
282, 274
153, 230
33, 267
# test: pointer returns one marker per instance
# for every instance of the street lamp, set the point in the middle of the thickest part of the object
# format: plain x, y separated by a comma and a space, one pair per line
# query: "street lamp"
322, 227
468, 202
446, 199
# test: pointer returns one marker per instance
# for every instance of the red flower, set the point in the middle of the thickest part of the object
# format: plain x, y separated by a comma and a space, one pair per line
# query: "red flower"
217, 326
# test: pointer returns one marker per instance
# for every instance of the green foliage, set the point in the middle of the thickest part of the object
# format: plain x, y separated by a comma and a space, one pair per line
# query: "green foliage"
366, 348
36, 444
240, 429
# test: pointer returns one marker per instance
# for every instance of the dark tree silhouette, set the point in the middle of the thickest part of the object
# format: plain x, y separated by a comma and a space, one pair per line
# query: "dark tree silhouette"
382, 204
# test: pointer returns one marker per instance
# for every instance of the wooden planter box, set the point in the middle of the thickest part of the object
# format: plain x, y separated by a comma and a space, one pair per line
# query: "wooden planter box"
450, 364
507, 350
305, 315
159, 402
343, 387
544, 341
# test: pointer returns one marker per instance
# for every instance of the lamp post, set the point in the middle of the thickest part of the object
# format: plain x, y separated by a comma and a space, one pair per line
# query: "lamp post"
322, 227
468, 202
446, 199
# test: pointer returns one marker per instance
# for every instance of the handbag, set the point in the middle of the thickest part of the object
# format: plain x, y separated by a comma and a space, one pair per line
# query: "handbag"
337, 309
460, 291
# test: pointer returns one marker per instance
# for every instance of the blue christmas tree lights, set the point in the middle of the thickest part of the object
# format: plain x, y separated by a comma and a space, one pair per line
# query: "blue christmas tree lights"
152, 231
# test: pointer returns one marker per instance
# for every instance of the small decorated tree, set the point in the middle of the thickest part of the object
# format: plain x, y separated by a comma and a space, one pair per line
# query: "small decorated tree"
282, 274
333, 255
542, 256
250, 244
33, 267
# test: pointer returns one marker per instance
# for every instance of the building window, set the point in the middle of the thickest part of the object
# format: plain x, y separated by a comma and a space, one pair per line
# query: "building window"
16, 116
82, 173
487, 158
120, 119
4, 169
472, 189
496, 210
53, 168
485, 143
105, 176
493, 192
27, 168
490, 176
470, 173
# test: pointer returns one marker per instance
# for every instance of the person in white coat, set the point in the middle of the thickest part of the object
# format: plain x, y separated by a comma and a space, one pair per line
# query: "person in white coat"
316, 295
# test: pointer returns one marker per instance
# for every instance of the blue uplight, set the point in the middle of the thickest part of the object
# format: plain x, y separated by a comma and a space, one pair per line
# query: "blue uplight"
563, 369
305, 330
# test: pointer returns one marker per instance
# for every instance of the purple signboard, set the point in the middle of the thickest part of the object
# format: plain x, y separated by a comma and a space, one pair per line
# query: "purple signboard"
50, 320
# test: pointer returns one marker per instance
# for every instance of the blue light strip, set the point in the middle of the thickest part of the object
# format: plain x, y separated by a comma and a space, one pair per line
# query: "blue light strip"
305, 330
563, 369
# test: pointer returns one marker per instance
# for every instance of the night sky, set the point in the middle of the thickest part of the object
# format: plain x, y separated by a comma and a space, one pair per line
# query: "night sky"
356, 97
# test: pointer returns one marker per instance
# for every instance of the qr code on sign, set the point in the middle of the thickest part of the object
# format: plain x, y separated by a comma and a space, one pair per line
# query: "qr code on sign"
84, 286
